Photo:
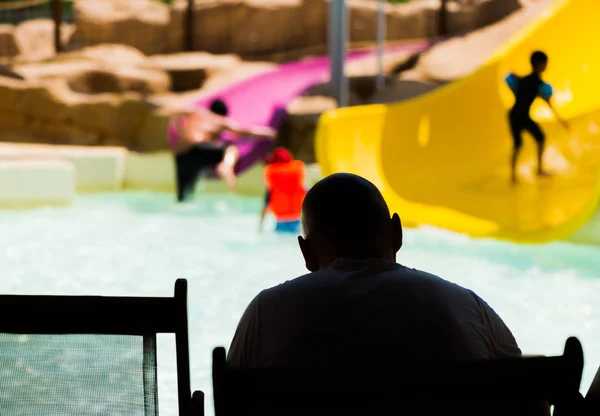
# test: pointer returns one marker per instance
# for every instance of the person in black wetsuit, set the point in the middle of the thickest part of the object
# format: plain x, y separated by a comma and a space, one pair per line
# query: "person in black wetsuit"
195, 140
526, 90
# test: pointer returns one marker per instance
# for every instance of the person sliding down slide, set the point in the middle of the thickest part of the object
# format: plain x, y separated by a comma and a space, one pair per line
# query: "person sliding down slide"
196, 142
526, 90
285, 178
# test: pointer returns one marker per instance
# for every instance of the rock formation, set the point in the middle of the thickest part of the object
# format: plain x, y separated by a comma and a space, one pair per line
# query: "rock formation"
115, 94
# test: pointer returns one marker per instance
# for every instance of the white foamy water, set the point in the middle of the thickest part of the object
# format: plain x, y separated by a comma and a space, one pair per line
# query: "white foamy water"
137, 244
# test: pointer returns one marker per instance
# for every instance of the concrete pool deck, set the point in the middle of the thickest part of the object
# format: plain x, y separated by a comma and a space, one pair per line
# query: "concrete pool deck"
33, 176
38, 175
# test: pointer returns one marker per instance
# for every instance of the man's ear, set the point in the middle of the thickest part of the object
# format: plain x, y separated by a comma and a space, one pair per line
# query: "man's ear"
396, 233
310, 260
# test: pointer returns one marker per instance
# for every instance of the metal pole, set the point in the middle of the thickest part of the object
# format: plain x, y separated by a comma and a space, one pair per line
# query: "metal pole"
57, 11
189, 21
380, 82
338, 34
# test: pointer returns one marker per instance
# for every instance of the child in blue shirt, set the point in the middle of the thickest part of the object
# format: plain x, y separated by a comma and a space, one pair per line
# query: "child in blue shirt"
526, 90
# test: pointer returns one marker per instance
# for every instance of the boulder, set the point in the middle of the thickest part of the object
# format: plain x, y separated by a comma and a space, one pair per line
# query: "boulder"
139, 23
54, 70
117, 80
218, 81
362, 74
112, 116
153, 132
101, 69
72, 64
38, 130
35, 39
298, 130
8, 44
260, 28
85, 97
48, 111
393, 62
189, 71
398, 89
460, 56
409, 20
108, 53
420, 19
324, 90
45, 100
244, 27
7, 71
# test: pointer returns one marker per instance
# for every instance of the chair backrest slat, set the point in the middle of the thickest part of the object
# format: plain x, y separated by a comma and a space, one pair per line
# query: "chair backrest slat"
265, 391
95, 315
84, 322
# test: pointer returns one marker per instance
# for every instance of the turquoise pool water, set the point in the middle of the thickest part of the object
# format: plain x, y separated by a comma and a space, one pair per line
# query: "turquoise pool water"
137, 244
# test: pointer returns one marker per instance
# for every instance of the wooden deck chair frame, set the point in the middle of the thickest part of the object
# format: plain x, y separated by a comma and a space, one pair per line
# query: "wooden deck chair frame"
555, 380
141, 316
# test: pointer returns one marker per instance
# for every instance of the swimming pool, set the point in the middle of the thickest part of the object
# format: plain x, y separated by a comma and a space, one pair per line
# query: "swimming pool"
137, 244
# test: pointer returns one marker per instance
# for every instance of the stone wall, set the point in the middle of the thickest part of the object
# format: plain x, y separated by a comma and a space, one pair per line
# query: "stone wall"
117, 95
249, 28
102, 95
32, 40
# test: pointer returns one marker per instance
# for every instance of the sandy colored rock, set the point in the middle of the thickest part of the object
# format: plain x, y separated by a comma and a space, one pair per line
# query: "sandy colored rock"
111, 115
244, 27
8, 44
51, 112
298, 130
303, 106
152, 135
54, 70
259, 28
72, 64
253, 28
101, 69
36, 99
398, 89
111, 94
139, 23
391, 62
240, 73
189, 71
410, 20
420, 19
50, 134
35, 39
324, 90
459, 57
7, 71
107, 53
117, 80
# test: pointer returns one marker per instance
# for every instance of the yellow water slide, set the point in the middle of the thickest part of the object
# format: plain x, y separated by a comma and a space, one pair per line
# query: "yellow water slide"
443, 159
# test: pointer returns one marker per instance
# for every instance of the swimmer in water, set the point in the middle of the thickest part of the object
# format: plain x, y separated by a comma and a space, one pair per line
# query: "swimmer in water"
196, 143
526, 90
284, 178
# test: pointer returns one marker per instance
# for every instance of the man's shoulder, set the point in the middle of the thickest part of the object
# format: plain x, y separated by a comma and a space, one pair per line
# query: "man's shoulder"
319, 280
308, 280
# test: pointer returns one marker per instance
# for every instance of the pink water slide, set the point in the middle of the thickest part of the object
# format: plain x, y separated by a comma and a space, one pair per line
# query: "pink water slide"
261, 100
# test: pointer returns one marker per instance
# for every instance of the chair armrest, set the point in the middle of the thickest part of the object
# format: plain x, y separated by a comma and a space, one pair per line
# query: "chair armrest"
197, 403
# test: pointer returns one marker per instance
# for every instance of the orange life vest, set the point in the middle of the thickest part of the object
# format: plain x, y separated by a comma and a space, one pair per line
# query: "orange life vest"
285, 182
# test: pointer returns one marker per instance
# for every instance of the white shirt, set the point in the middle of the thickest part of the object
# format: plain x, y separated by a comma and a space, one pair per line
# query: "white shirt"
360, 311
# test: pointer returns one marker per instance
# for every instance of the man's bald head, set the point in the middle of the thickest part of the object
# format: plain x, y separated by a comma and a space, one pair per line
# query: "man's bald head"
347, 214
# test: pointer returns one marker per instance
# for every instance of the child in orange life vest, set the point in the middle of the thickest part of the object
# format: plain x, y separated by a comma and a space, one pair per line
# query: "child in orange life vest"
284, 178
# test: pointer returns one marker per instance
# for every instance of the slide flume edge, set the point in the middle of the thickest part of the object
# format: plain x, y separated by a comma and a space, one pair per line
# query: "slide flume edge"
443, 159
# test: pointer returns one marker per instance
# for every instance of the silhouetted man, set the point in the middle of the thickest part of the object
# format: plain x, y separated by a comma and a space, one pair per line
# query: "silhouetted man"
358, 292
357, 306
